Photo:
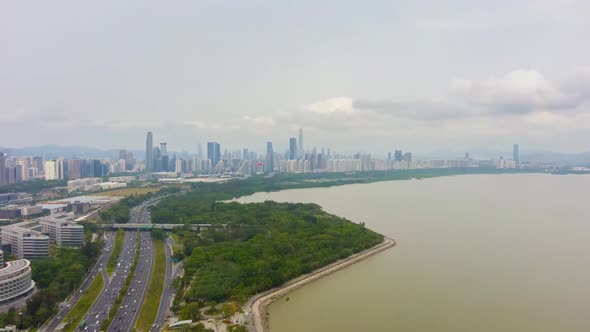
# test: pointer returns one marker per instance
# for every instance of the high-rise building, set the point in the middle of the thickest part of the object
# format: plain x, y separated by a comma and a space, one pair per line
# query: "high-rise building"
301, 151
74, 169
270, 158
398, 155
3, 180
292, 148
163, 149
149, 150
97, 168
245, 154
515, 154
200, 151
213, 152
51, 170
122, 154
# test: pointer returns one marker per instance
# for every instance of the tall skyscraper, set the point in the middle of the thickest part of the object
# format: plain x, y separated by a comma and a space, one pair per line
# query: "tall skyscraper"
292, 148
398, 155
301, 152
245, 154
213, 153
149, 150
163, 149
3, 179
200, 151
515, 154
269, 161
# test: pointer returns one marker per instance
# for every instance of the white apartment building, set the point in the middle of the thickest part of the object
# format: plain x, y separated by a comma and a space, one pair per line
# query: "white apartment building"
63, 232
15, 279
24, 242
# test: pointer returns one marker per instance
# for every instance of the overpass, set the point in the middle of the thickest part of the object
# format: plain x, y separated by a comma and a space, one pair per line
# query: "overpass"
142, 226
132, 226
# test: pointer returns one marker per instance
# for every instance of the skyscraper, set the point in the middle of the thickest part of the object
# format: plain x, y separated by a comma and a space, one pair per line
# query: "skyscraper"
398, 155
213, 152
301, 151
269, 160
163, 149
149, 150
292, 148
3, 179
200, 151
515, 154
245, 154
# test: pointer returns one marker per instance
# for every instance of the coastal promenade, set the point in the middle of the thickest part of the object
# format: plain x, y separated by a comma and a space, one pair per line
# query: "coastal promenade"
256, 306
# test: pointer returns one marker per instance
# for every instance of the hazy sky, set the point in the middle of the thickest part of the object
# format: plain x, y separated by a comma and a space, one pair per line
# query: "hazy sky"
367, 75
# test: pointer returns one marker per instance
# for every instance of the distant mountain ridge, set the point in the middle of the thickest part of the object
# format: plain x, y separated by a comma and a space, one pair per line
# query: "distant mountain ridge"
52, 151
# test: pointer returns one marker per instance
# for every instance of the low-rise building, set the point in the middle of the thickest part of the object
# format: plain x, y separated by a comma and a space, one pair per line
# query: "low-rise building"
25, 242
63, 232
15, 280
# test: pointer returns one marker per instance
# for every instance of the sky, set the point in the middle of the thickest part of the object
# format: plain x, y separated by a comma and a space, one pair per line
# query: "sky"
369, 76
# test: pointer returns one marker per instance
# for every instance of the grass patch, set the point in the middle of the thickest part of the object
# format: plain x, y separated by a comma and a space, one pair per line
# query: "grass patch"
117, 248
126, 192
151, 304
81, 308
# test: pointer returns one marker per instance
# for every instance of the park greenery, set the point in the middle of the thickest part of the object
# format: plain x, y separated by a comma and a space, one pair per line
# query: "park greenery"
117, 248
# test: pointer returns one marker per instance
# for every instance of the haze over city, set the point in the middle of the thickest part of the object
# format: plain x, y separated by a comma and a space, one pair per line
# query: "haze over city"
367, 76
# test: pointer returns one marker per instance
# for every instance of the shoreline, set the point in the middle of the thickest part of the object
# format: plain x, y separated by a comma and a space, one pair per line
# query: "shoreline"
257, 304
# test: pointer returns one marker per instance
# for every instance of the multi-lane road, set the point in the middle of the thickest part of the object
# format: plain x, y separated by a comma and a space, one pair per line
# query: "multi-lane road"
129, 309
131, 306
103, 304
167, 293
73, 300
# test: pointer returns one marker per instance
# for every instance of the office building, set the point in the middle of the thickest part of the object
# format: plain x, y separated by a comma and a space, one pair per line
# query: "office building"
213, 153
62, 232
15, 280
515, 154
149, 150
24, 242
200, 151
164, 149
292, 148
398, 155
74, 169
3, 180
301, 151
269, 160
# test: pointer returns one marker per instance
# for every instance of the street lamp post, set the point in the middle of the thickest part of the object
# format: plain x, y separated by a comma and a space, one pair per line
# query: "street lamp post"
20, 316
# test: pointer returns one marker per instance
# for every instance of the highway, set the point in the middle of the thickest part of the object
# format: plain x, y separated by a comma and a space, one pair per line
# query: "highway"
103, 304
168, 292
130, 308
73, 300
100, 309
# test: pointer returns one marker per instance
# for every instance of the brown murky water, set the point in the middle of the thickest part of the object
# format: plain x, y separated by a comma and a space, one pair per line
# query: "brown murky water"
475, 253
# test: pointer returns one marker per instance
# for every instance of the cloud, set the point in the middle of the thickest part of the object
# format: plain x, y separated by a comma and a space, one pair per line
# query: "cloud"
332, 105
416, 110
518, 92
264, 121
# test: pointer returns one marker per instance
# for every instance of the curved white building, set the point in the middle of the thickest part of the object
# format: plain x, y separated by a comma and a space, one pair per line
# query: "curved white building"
15, 280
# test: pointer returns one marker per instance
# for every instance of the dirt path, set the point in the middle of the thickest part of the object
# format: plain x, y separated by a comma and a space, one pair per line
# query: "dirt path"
256, 307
